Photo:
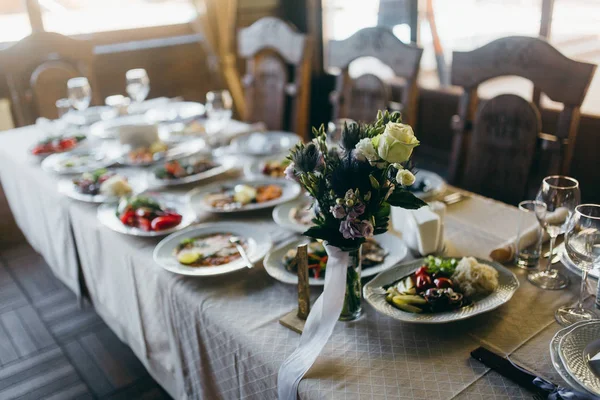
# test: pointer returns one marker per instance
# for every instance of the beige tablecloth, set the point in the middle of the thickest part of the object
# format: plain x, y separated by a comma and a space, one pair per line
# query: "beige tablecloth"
213, 338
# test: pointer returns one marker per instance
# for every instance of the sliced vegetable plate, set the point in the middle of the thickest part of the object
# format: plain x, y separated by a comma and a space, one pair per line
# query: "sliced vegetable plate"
68, 188
173, 153
374, 294
256, 238
199, 198
109, 215
275, 266
282, 215
79, 161
221, 166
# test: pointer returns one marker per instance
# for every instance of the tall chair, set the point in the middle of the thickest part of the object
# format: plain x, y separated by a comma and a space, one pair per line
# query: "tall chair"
494, 145
277, 75
360, 98
37, 69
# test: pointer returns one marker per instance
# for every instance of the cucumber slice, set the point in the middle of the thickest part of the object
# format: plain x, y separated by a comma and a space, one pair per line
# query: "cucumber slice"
402, 305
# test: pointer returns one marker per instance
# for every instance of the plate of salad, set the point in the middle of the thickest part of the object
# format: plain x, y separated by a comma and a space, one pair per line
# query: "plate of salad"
56, 144
189, 170
101, 186
148, 214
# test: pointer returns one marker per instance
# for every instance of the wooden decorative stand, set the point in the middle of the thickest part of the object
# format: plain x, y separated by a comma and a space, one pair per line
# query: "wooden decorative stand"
296, 318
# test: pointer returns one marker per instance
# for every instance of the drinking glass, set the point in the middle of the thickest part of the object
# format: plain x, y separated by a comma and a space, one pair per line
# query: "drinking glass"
529, 234
218, 110
582, 242
137, 84
62, 107
561, 196
80, 93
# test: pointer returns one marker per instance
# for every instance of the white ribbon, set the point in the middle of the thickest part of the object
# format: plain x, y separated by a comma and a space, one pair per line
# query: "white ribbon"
319, 325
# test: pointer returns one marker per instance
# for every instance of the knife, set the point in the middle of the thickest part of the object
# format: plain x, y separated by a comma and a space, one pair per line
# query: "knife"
509, 370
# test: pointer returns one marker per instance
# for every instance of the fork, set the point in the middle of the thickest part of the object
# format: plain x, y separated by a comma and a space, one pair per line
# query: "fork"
238, 244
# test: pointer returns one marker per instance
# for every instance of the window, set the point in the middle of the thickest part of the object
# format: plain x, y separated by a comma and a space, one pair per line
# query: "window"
14, 21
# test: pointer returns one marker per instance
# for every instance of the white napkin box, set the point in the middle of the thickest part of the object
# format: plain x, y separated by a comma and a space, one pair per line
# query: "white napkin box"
422, 229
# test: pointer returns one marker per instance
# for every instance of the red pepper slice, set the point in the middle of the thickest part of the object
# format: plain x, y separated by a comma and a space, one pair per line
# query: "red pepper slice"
166, 222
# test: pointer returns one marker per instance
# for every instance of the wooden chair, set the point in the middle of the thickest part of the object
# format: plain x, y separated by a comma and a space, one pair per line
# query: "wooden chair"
360, 98
274, 50
37, 69
498, 142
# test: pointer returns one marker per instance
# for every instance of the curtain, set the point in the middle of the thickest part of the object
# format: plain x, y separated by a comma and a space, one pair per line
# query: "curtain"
217, 22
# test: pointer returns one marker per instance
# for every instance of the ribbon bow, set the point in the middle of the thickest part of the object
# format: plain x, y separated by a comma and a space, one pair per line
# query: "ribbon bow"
561, 393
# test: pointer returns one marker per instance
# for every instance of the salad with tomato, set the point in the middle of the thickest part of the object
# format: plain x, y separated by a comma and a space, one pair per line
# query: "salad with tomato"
147, 214
53, 145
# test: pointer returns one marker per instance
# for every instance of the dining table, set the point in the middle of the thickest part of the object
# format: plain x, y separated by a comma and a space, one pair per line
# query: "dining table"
219, 337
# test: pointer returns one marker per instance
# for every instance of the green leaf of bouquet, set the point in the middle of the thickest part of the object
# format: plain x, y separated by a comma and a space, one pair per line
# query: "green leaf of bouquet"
405, 199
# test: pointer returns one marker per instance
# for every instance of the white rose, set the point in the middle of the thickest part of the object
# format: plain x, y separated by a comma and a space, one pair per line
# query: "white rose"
397, 142
405, 177
365, 148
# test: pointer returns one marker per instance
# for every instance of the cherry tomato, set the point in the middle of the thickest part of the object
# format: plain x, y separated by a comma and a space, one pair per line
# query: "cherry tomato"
128, 217
144, 223
422, 271
442, 283
67, 143
166, 222
423, 282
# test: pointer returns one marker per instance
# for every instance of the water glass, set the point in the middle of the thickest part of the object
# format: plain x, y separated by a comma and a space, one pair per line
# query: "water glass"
80, 93
62, 107
218, 110
529, 234
137, 84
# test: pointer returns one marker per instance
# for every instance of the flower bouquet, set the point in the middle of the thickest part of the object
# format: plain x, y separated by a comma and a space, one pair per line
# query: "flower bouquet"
354, 187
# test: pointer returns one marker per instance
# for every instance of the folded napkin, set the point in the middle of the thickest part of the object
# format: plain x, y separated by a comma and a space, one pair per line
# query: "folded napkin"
506, 251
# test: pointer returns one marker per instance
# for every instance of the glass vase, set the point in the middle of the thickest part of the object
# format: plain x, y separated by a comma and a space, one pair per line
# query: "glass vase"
352, 308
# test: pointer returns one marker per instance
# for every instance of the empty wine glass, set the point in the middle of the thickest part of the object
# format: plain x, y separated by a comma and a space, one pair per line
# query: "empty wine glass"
80, 93
561, 196
218, 110
582, 242
137, 84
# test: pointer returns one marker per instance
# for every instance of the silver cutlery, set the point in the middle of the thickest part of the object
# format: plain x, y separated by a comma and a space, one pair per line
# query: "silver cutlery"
453, 198
237, 242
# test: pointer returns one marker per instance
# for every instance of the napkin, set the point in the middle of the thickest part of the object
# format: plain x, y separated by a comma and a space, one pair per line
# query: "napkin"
422, 229
507, 250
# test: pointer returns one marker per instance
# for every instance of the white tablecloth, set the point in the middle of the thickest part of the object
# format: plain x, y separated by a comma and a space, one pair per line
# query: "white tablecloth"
212, 338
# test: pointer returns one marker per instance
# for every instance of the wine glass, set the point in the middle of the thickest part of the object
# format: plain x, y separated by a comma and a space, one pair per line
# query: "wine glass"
582, 242
137, 84
80, 93
218, 110
561, 196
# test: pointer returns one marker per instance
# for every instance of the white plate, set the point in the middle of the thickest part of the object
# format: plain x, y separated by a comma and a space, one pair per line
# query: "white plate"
224, 165
146, 105
67, 187
174, 152
572, 352
258, 246
374, 294
275, 266
97, 159
281, 215
264, 143
108, 217
435, 184
196, 198
90, 115
176, 111
557, 363
253, 169
110, 129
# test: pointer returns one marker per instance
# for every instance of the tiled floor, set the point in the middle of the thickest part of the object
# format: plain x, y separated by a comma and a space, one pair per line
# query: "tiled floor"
50, 348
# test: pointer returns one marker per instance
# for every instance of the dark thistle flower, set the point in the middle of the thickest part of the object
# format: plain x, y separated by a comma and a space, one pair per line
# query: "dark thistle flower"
307, 158
350, 174
350, 136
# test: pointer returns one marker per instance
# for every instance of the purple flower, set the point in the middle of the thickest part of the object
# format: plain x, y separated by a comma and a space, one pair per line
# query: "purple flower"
290, 173
357, 210
351, 228
338, 211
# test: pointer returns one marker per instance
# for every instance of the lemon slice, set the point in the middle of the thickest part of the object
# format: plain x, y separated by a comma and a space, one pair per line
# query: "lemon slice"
189, 257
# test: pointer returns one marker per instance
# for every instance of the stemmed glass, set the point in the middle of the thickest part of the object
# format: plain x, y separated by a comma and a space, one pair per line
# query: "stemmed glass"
582, 242
218, 110
80, 93
137, 84
561, 196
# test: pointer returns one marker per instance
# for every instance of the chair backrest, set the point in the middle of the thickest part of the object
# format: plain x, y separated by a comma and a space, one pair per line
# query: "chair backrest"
362, 97
277, 69
37, 69
560, 78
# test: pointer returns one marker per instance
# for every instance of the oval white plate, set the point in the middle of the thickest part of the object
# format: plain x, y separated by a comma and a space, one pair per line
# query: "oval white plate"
176, 152
224, 165
196, 197
281, 215
264, 143
275, 267
65, 186
375, 295
253, 169
104, 158
176, 111
107, 216
258, 246
436, 184
571, 350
